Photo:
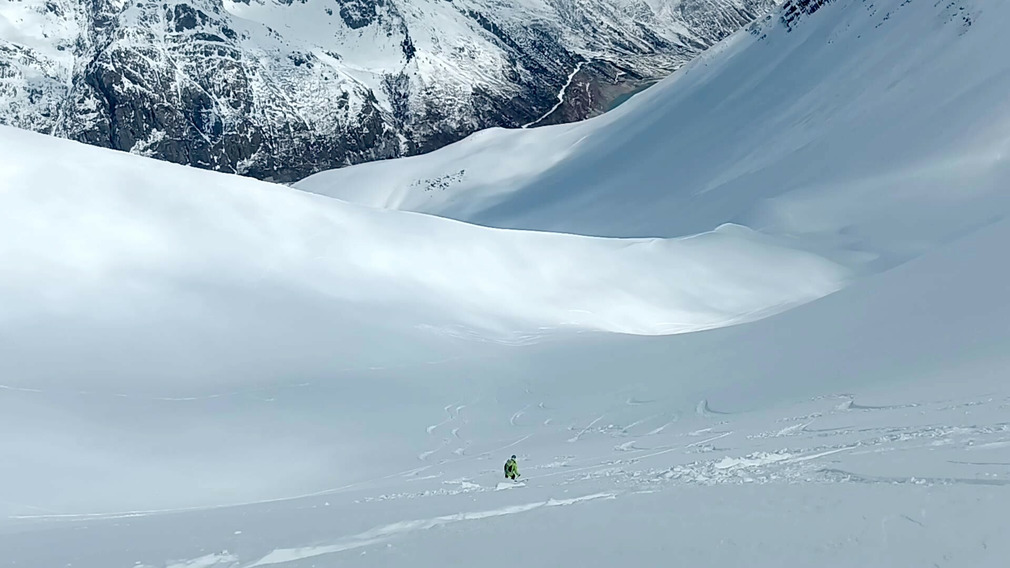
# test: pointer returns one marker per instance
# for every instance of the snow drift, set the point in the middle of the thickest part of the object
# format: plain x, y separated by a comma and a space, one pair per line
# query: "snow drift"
128, 276
116, 237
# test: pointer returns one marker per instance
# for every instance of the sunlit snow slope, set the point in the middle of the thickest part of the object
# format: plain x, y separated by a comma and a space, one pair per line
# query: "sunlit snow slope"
205, 371
127, 273
879, 127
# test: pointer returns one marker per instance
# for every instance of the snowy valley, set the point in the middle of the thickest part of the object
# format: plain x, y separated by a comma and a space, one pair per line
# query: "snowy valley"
755, 316
279, 89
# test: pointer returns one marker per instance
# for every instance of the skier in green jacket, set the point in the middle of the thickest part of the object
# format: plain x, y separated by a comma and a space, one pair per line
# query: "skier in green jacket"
511, 469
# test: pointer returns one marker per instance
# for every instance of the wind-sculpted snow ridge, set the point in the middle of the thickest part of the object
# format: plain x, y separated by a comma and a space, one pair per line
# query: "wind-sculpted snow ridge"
202, 231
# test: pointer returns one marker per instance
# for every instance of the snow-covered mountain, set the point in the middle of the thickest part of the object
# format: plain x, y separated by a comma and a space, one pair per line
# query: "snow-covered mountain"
279, 89
800, 126
760, 320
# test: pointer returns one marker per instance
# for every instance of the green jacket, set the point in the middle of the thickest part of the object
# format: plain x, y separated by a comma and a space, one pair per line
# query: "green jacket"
511, 467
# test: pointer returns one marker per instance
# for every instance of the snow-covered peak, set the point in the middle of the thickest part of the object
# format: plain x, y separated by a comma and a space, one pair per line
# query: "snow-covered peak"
280, 89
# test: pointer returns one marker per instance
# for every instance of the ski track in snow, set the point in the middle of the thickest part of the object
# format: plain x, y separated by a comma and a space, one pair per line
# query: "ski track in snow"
812, 456
208, 561
712, 439
385, 532
515, 417
881, 439
512, 445
638, 422
659, 430
586, 429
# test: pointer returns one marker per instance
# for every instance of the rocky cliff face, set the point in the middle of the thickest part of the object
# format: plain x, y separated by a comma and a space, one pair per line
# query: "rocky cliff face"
279, 89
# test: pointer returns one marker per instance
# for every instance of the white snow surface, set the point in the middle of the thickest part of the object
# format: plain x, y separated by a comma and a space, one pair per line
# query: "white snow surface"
793, 352
878, 129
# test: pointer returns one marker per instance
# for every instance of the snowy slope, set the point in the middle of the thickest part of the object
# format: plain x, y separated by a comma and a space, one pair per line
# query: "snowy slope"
207, 281
488, 279
884, 448
880, 405
204, 371
279, 89
875, 128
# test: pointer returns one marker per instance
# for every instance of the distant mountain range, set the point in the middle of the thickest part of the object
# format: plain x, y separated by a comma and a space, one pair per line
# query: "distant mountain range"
279, 89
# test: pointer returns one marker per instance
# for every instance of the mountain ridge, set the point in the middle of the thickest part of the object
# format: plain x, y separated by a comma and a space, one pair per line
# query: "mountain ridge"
279, 89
